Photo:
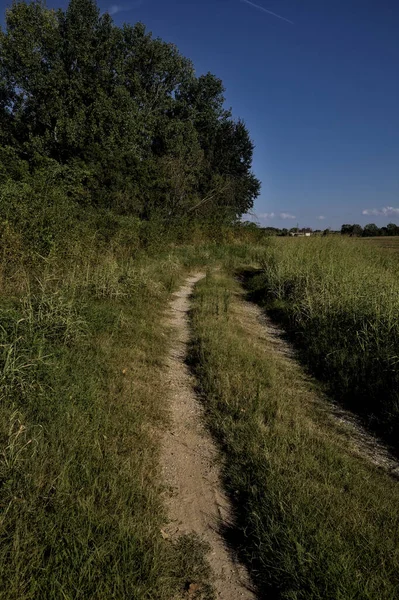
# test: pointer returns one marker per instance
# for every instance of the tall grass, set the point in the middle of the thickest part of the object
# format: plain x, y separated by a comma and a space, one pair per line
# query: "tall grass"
313, 520
81, 401
339, 299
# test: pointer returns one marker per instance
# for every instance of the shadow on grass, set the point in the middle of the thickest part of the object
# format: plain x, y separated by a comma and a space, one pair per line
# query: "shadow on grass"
241, 543
377, 412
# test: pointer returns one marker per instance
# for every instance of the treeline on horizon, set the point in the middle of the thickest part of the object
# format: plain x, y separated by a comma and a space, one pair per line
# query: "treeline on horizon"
370, 230
96, 117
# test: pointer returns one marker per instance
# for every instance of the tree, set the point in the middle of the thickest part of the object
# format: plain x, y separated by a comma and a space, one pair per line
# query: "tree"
347, 229
357, 230
122, 113
371, 230
392, 229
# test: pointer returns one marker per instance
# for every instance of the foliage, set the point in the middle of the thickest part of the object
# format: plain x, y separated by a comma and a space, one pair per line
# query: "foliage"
122, 113
370, 230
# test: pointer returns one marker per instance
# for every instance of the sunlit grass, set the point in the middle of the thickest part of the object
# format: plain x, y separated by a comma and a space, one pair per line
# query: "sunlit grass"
313, 520
339, 299
82, 349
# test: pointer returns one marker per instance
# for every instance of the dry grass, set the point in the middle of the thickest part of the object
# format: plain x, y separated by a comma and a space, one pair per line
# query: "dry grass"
389, 244
314, 521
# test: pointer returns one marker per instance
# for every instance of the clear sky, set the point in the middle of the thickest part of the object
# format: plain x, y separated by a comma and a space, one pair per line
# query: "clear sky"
317, 84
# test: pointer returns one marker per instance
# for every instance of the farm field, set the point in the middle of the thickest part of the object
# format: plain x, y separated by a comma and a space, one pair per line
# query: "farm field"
390, 244
315, 518
84, 399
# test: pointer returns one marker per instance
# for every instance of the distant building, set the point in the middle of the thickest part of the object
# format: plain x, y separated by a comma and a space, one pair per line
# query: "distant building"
305, 232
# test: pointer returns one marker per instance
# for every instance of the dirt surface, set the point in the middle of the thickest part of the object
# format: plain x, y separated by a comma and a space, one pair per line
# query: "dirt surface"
196, 502
360, 441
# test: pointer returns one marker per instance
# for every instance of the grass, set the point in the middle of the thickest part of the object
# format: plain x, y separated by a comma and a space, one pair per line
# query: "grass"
82, 349
82, 404
387, 244
338, 299
313, 519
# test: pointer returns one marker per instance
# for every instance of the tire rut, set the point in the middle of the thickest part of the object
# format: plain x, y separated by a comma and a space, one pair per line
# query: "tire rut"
189, 463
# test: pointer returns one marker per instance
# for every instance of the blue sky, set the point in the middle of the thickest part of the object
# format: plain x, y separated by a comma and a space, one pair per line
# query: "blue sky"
318, 90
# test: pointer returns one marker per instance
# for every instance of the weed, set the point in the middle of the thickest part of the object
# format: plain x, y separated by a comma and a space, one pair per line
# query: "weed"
81, 359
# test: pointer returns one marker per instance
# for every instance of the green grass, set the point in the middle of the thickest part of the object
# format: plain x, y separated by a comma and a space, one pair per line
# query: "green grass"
82, 349
339, 300
313, 520
82, 404
387, 244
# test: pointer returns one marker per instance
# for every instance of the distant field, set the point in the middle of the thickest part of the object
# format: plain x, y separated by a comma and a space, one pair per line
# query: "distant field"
388, 243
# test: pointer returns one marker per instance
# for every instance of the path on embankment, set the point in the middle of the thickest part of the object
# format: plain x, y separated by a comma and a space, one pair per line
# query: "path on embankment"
196, 503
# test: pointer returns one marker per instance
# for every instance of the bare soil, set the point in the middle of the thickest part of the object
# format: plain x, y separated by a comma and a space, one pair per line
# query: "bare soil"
196, 502
360, 440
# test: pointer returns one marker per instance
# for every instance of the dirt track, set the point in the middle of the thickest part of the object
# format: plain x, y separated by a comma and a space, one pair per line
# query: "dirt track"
197, 503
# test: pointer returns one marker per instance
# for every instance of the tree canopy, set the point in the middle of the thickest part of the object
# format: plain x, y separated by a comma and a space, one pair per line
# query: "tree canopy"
370, 230
120, 115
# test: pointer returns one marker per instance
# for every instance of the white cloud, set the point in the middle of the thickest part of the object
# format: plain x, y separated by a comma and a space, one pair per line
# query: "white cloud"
386, 211
284, 215
266, 216
269, 12
320, 218
114, 9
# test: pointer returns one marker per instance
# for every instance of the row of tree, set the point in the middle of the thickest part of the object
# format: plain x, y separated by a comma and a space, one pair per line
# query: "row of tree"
118, 116
370, 230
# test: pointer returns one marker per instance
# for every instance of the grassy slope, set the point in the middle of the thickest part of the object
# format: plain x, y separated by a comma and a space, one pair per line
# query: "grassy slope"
338, 298
315, 521
82, 349
81, 354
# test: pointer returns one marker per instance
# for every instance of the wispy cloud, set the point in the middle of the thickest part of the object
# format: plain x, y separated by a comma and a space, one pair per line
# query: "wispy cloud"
386, 211
320, 218
269, 12
272, 215
114, 9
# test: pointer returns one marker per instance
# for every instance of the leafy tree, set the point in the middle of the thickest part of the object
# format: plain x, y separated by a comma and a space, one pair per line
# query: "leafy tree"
346, 229
371, 230
357, 230
392, 229
122, 113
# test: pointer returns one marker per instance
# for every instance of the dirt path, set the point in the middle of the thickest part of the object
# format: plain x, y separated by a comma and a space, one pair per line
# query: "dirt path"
197, 503
360, 441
